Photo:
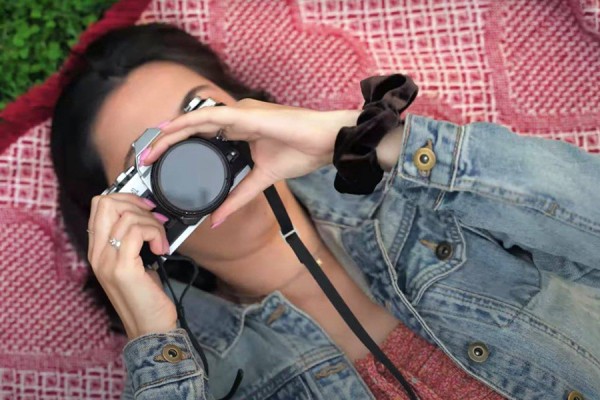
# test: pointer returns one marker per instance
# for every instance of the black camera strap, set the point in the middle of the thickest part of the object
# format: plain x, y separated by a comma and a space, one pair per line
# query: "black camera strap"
291, 237
178, 300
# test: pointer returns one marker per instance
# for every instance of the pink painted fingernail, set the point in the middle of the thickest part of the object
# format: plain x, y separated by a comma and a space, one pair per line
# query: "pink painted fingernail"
216, 224
149, 202
144, 154
160, 217
163, 124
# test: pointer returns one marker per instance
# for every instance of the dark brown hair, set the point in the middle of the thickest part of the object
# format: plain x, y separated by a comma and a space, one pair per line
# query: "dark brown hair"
106, 63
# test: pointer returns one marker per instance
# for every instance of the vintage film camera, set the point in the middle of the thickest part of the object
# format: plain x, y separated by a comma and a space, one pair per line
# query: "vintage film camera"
189, 181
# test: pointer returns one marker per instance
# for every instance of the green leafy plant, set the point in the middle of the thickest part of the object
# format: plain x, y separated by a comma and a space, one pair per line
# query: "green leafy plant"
35, 38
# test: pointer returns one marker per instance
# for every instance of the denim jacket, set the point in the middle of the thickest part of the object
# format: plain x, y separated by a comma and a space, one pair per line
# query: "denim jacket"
487, 246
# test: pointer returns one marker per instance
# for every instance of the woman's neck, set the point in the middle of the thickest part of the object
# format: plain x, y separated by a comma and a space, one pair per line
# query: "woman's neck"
271, 265
305, 294
248, 252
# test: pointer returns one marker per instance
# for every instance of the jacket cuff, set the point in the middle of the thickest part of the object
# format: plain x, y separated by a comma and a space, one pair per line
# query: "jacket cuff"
159, 359
428, 158
442, 139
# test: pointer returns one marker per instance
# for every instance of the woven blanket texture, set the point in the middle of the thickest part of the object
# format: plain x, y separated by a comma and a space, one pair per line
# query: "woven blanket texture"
532, 65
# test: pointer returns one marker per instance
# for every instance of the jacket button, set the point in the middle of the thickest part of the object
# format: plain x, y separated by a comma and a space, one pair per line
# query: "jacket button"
575, 395
172, 353
424, 158
443, 251
478, 352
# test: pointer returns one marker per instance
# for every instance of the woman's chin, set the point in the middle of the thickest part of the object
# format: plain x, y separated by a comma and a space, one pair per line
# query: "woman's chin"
242, 233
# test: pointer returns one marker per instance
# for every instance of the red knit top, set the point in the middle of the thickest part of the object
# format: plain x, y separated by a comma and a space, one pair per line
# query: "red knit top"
432, 374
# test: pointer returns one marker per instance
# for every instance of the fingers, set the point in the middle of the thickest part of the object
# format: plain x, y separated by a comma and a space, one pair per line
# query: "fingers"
128, 197
241, 121
205, 121
90, 228
251, 186
159, 244
165, 141
108, 210
135, 293
134, 237
214, 118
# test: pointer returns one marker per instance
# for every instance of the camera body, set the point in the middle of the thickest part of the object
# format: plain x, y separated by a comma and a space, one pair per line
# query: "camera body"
189, 181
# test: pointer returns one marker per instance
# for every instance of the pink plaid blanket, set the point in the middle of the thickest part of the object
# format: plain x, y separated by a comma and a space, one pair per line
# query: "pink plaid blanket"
531, 65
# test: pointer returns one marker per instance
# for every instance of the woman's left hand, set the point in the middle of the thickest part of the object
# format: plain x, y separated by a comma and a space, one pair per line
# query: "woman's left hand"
285, 142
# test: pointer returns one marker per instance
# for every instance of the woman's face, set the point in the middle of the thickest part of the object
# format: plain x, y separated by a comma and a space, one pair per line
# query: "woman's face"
154, 93
150, 95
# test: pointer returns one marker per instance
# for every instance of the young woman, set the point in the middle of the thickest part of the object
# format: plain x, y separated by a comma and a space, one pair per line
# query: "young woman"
487, 248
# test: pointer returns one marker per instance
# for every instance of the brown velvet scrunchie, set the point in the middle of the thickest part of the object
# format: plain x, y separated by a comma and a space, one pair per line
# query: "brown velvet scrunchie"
354, 155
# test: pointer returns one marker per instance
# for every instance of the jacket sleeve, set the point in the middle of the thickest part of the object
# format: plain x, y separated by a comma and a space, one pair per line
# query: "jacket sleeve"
538, 193
163, 366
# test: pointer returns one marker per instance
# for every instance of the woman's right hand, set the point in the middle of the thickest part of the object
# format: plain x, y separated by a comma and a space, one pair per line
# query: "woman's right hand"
135, 293
285, 142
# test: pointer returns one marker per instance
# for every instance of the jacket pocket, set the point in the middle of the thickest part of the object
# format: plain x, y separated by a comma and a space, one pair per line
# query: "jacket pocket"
403, 255
434, 247
494, 286
294, 389
334, 378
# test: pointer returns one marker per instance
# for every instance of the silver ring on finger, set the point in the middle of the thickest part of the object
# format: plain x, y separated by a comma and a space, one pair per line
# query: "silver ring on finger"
114, 242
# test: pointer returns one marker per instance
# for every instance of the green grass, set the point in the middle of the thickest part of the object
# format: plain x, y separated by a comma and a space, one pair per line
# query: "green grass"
35, 38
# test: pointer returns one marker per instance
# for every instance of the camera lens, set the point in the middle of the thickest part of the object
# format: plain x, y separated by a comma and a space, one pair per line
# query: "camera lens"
192, 177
